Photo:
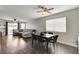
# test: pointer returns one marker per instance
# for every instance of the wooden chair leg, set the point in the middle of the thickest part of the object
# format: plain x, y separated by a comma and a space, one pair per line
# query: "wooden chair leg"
54, 47
47, 46
32, 42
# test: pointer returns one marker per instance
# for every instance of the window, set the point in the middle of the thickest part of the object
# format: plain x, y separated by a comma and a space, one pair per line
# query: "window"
22, 25
58, 25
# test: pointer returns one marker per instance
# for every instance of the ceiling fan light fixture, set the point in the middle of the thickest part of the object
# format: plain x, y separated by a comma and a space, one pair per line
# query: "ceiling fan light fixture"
14, 19
43, 9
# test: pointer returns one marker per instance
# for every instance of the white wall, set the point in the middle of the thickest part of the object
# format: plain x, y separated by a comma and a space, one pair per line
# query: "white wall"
31, 25
36, 24
72, 33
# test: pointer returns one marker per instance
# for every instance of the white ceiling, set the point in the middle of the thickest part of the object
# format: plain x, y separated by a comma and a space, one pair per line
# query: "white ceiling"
28, 12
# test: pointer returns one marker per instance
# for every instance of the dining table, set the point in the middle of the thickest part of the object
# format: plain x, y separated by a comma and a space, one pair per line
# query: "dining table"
47, 39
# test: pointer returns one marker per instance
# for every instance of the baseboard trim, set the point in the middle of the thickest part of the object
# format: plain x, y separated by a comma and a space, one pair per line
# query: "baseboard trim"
65, 43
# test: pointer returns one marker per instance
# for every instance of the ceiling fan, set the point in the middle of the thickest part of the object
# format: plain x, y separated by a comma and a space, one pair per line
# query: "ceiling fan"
43, 9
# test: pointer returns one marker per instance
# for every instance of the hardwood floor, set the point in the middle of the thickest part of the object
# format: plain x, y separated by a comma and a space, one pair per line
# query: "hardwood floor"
17, 45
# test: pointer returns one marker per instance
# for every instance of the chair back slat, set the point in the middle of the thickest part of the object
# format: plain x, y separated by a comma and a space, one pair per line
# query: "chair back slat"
34, 37
50, 32
54, 38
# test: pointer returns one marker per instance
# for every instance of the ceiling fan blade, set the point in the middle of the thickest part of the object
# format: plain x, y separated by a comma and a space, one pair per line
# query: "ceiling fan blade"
39, 11
42, 7
49, 12
51, 9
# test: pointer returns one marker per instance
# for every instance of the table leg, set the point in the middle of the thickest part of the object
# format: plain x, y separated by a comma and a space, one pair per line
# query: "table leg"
47, 46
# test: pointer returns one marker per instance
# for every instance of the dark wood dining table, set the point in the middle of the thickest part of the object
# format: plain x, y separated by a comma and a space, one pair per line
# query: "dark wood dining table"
47, 38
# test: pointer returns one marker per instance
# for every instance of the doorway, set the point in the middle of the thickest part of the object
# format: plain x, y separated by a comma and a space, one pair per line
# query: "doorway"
11, 27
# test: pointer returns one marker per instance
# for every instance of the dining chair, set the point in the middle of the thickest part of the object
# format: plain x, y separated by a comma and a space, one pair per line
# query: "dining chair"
43, 39
33, 32
50, 32
53, 40
34, 38
40, 39
43, 33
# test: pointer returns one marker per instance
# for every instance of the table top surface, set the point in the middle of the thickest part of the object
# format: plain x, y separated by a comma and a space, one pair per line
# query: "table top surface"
48, 35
